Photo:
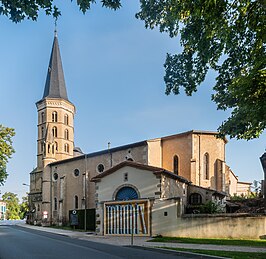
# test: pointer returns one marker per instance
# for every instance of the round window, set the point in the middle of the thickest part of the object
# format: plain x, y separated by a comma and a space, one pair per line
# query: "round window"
100, 168
55, 176
76, 172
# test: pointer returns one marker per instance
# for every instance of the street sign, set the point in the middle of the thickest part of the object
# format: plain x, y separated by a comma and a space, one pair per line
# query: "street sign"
74, 218
45, 214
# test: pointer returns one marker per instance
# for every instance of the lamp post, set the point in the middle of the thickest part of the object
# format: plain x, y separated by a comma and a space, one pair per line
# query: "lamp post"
263, 163
28, 200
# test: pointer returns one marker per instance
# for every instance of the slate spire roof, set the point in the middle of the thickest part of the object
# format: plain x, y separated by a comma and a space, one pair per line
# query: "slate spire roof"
55, 86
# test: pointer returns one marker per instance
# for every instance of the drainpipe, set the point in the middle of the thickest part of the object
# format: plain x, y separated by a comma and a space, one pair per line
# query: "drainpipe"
199, 160
51, 202
85, 188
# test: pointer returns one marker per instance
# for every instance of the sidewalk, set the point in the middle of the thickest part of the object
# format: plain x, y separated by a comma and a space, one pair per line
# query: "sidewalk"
140, 241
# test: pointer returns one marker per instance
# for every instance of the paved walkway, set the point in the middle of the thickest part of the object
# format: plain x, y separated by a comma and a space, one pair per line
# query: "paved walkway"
140, 241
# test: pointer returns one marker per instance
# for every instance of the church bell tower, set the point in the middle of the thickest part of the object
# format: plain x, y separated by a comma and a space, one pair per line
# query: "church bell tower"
55, 115
55, 140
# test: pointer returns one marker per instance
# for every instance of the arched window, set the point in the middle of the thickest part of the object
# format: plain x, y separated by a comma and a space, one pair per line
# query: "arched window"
52, 149
55, 203
56, 146
206, 166
42, 117
66, 119
66, 134
195, 199
76, 201
176, 164
54, 116
54, 132
42, 132
66, 148
126, 193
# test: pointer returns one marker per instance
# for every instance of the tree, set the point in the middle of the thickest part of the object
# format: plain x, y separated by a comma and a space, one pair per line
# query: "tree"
17, 10
226, 36
24, 207
6, 150
12, 205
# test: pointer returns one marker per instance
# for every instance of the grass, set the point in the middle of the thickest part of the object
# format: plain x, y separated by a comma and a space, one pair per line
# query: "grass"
211, 241
229, 254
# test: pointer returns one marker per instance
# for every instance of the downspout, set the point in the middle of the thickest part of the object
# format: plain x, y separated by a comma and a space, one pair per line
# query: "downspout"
199, 161
51, 205
85, 188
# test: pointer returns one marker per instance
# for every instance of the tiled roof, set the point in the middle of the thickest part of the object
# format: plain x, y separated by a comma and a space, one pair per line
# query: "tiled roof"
102, 152
199, 132
155, 170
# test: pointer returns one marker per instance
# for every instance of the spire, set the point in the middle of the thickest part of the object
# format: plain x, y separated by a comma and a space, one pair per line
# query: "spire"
55, 86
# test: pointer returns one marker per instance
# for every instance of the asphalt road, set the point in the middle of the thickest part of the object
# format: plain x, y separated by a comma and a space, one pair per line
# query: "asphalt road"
19, 243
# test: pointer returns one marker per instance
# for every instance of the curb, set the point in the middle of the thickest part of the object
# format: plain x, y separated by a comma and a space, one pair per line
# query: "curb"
183, 253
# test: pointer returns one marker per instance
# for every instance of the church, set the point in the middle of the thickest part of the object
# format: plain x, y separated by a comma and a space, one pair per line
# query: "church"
139, 187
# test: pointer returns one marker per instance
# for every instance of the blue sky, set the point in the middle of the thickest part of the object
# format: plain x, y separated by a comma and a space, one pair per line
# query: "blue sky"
114, 75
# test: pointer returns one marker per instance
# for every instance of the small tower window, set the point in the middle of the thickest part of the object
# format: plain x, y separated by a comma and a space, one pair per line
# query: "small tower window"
55, 203
66, 119
206, 162
42, 132
55, 176
42, 117
66, 134
76, 172
76, 202
54, 132
56, 146
176, 164
54, 116
66, 148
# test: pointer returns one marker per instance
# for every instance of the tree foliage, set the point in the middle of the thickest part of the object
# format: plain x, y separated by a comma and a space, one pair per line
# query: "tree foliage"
12, 205
226, 36
18, 10
24, 207
6, 150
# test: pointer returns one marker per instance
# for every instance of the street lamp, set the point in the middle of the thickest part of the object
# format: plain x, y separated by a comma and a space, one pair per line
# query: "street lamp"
26, 184
263, 163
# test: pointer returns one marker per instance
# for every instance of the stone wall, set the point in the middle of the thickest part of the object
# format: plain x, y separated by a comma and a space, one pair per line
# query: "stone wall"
212, 226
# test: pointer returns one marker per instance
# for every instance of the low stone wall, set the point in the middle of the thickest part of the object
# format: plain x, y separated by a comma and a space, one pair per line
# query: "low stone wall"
213, 226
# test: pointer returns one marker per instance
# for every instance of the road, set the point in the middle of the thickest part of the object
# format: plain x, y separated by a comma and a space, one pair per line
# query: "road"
19, 243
